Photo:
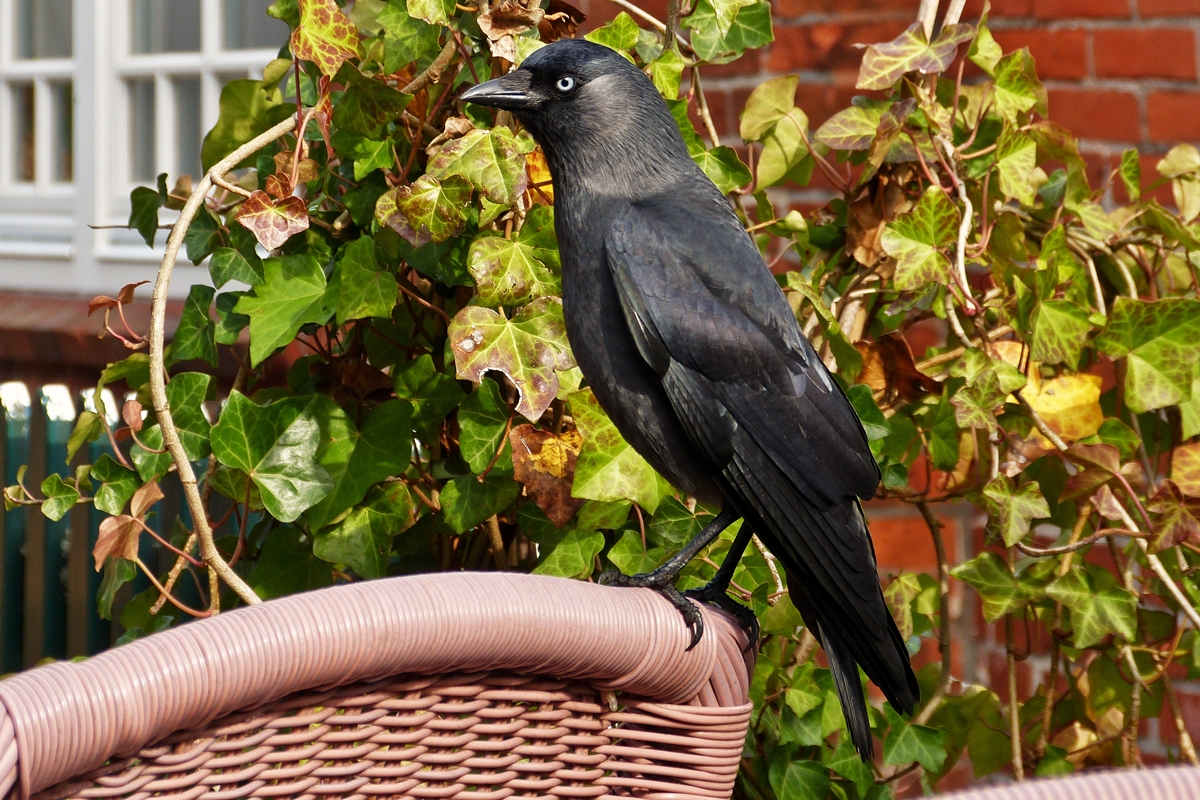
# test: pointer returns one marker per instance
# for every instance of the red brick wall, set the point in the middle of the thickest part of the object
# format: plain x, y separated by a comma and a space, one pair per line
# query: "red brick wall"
1120, 74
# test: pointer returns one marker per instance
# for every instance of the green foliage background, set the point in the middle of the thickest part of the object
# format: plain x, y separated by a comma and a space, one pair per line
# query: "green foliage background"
435, 419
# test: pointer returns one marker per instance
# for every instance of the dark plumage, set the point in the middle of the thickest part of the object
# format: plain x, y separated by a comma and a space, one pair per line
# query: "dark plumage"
691, 348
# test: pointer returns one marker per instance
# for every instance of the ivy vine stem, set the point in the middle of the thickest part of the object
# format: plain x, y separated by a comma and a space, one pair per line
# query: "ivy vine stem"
158, 372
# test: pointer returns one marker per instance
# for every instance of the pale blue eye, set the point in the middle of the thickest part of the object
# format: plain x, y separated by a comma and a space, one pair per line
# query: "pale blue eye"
565, 84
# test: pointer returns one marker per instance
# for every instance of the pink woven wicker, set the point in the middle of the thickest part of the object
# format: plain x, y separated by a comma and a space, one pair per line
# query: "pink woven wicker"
463, 685
1161, 783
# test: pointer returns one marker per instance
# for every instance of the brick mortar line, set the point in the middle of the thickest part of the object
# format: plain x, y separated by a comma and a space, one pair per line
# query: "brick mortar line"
1089, 23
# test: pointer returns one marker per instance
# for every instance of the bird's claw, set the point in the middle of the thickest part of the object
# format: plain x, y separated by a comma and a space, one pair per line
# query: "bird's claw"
716, 596
665, 585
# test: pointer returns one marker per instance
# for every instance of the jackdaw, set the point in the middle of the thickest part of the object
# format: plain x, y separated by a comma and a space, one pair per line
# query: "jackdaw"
691, 348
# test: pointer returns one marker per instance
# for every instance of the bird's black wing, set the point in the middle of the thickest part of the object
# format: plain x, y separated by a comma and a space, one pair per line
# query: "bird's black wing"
753, 396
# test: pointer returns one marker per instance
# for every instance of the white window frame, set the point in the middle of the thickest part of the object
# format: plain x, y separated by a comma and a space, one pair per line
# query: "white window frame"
43, 73
211, 64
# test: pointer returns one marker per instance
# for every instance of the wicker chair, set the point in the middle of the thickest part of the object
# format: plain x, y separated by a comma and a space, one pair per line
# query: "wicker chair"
1161, 783
465, 685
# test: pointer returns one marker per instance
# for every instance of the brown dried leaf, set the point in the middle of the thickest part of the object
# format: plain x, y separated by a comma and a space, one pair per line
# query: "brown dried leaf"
101, 302
560, 21
1101, 456
144, 499
283, 165
125, 296
1185, 468
118, 537
273, 222
888, 366
509, 18
279, 185
1178, 517
864, 229
545, 464
456, 128
131, 412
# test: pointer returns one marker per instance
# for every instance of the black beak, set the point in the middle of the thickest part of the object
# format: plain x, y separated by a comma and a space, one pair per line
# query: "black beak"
511, 91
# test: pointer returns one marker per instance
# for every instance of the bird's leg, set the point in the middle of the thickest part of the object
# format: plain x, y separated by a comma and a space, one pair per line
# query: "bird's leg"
715, 592
662, 579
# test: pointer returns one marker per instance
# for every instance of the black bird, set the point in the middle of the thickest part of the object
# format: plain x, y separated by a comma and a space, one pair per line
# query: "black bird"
689, 345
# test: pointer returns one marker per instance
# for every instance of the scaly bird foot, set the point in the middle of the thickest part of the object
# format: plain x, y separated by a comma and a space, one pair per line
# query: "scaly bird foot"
715, 595
664, 584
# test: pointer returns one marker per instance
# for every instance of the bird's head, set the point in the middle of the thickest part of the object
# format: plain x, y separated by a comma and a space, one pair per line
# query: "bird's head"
577, 98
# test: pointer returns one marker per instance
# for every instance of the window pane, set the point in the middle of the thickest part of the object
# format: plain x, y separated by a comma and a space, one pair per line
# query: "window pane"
64, 127
44, 29
141, 129
187, 127
166, 26
247, 25
23, 133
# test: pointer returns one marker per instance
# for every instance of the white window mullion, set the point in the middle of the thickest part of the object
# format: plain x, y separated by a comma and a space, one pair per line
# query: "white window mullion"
43, 133
164, 124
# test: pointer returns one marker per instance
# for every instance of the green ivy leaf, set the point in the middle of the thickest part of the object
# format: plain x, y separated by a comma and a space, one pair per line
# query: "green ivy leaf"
985, 52
203, 236
1060, 330
117, 485
60, 497
723, 167
432, 394
492, 161
369, 155
150, 465
726, 11
621, 34
665, 72
751, 28
608, 468
996, 585
429, 210
629, 556
846, 762
916, 241
364, 538
853, 128
530, 349
407, 38
246, 110
1016, 165
1095, 612
511, 272
1017, 89
874, 423
1161, 343
194, 337
482, 424
144, 204
907, 742
88, 428
367, 106
185, 394
785, 154
229, 324
1014, 508
467, 501
356, 459
885, 64
276, 445
435, 12
292, 294
803, 780
117, 573
672, 525
768, 103
364, 289
228, 265
287, 565
1131, 173
571, 554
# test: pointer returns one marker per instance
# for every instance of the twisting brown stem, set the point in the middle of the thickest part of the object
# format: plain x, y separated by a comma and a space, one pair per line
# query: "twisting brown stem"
672, 24
434, 71
1186, 748
158, 383
939, 545
497, 542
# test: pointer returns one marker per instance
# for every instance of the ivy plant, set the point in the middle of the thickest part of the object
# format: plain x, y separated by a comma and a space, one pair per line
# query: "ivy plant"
387, 279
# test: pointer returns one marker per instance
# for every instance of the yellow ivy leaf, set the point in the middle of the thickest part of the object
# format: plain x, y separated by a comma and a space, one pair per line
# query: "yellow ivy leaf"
1185, 468
325, 35
1069, 404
